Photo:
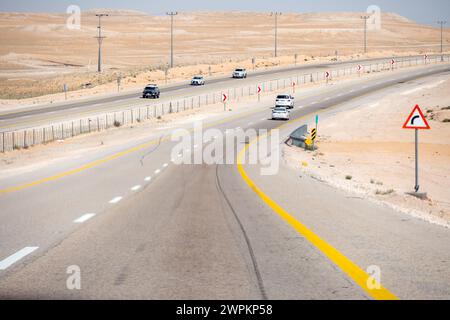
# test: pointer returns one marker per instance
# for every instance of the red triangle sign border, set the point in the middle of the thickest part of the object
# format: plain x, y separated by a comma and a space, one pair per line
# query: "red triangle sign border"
407, 126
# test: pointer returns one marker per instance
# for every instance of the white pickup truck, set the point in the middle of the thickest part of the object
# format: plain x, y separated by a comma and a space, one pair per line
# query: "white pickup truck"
284, 100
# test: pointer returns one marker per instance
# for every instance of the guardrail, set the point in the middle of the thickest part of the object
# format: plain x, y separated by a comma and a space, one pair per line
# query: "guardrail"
25, 138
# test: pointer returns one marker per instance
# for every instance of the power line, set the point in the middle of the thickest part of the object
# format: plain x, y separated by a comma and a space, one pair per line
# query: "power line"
171, 14
365, 32
100, 39
276, 14
442, 38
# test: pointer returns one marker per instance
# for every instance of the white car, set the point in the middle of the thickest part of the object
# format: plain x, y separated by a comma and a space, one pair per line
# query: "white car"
240, 73
198, 81
280, 113
285, 100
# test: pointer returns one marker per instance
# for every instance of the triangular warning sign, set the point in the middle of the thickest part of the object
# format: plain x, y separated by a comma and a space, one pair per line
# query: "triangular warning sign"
416, 120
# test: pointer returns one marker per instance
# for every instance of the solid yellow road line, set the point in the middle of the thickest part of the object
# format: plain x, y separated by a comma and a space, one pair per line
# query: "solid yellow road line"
76, 170
345, 264
111, 157
95, 163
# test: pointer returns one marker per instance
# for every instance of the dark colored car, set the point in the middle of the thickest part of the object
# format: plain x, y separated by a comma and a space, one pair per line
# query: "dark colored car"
151, 91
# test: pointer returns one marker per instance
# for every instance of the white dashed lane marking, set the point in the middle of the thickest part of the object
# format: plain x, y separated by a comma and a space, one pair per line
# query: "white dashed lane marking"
84, 218
6, 263
115, 200
165, 165
136, 188
148, 178
157, 171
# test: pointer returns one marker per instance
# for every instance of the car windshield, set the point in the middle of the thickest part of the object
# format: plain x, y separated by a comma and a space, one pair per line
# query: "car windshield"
150, 88
277, 109
283, 97
239, 70
198, 78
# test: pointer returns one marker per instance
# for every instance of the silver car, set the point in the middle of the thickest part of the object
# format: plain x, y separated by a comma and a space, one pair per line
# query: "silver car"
280, 113
285, 100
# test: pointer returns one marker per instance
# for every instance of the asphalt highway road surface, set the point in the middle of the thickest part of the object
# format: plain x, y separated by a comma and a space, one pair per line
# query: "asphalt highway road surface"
139, 226
60, 111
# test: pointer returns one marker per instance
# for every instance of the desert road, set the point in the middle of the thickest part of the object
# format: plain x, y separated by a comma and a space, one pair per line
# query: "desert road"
27, 117
139, 226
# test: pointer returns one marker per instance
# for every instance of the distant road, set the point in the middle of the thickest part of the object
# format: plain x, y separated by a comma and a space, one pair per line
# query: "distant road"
140, 227
33, 116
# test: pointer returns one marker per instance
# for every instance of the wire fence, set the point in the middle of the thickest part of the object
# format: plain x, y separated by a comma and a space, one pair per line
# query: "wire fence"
26, 138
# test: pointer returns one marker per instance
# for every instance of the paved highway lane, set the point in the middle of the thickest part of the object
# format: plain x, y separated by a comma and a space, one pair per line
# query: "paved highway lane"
40, 115
201, 232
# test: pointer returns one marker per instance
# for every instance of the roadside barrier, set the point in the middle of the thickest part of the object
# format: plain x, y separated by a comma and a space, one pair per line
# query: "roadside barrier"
28, 137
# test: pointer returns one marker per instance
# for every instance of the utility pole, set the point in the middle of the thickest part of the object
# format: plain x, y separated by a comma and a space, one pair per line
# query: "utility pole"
365, 32
442, 38
171, 14
276, 14
100, 39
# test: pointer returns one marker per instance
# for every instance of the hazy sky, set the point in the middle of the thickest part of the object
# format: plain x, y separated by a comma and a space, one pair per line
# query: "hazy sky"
427, 12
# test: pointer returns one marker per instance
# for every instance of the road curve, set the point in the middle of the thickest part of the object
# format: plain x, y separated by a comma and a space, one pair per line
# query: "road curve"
39, 115
150, 229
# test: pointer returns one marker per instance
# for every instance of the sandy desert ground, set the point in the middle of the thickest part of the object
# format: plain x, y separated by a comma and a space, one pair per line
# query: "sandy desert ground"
346, 154
38, 53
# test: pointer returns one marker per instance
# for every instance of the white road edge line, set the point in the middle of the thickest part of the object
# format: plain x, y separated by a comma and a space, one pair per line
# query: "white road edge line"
135, 188
6, 263
84, 218
115, 200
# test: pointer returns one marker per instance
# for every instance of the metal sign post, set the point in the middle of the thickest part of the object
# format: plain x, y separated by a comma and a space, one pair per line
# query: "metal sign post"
416, 187
315, 132
327, 76
224, 100
417, 121
65, 88
119, 79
